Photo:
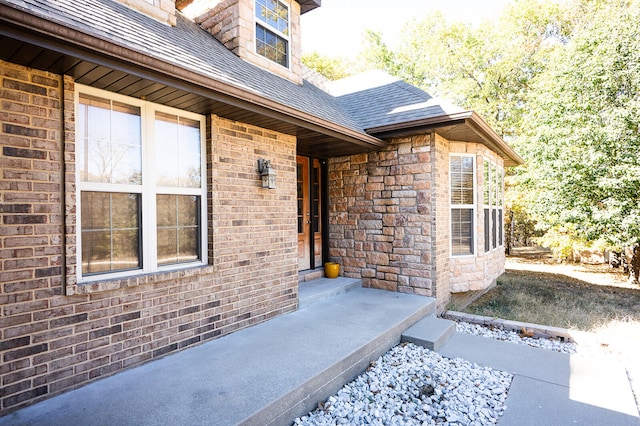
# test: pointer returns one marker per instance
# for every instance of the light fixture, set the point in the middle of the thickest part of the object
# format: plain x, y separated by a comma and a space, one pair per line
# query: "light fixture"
267, 173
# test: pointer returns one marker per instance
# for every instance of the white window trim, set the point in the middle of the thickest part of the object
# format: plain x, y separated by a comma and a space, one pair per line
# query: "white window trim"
500, 207
263, 24
148, 189
499, 171
474, 213
487, 187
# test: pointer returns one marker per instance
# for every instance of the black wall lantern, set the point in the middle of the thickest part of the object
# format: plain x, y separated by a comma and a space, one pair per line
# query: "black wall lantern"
267, 173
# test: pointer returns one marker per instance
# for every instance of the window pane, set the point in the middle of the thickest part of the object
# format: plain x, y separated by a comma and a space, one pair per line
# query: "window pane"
96, 252
167, 214
178, 156
462, 231
109, 141
499, 185
494, 184
125, 250
110, 232
272, 46
167, 246
461, 173
187, 210
178, 228
125, 211
487, 184
487, 230
188, 245
500, 229
273, 13
94, 206
494, 226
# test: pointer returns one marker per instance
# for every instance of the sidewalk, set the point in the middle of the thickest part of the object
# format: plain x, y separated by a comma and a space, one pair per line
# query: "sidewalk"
551, 388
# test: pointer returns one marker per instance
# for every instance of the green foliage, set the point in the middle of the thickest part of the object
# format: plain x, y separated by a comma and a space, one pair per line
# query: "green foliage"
330, 68
486, 68
583, 137
561, 82
562, 240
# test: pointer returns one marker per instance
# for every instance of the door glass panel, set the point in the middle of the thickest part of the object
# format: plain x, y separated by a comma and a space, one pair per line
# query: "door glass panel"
300, 191
316, 198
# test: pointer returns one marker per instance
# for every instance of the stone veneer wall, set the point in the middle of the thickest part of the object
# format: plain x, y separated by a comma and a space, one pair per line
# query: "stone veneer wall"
380, 216
232, 23
56, 335
389, 221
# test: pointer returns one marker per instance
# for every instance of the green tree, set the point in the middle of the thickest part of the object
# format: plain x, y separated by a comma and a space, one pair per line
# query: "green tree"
330, 68
487, 68
583, 138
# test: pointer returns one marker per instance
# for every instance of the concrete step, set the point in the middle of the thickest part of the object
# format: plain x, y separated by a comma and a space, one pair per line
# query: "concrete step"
318, 290
310, 274
430, 332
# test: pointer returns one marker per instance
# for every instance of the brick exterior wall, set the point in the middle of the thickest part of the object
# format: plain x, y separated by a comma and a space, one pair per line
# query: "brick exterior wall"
389, 220
56, 335
442, 224
232, 23
161, 10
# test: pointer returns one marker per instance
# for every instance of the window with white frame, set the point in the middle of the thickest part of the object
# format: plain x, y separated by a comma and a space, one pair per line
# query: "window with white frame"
494, 200
487, 204
141, 191
500, 204
493, 205
272, 31
462, 188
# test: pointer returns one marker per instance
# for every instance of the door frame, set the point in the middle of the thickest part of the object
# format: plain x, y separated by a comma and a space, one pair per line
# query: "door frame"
324, 211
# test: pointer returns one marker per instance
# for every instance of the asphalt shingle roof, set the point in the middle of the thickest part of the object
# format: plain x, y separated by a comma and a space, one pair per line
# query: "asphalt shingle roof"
379, 100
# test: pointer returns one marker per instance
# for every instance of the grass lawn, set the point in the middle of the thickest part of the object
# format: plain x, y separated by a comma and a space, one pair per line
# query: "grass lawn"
590, 298
557, 300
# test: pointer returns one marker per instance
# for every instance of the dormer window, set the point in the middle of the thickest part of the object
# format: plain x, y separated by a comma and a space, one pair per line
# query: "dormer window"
272, 31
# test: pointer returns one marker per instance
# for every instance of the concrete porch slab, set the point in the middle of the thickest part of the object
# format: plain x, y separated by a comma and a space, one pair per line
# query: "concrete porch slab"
268, 374
320, 289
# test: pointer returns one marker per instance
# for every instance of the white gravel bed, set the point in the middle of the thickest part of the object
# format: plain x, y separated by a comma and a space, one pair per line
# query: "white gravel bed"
411, 385
513, 337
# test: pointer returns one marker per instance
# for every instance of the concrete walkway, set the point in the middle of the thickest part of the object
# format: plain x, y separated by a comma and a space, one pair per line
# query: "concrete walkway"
267, 374
276, 371
551, 388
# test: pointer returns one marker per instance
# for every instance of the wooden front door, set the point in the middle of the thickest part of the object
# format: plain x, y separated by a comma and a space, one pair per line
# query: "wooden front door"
310, 213
316, 212
304, 214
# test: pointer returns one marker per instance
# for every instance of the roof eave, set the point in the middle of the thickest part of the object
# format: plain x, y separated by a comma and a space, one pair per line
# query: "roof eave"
469, 119
52, 35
